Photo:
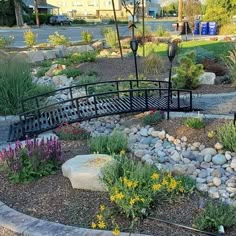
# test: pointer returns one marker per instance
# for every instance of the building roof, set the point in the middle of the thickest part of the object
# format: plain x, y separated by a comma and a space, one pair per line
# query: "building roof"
30, 4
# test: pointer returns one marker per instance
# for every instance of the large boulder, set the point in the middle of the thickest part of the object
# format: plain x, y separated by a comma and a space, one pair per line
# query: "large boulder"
207, 78
61, 81
49, 54
84, 171
33, 56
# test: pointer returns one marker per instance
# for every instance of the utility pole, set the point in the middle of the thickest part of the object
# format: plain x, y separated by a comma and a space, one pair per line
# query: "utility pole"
36, 13
180, 11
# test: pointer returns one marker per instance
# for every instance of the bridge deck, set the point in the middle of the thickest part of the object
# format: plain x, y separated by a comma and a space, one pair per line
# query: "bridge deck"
85, 110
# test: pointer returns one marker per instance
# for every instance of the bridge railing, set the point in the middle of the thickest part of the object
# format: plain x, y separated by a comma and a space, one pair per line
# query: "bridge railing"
81, 90
131, 94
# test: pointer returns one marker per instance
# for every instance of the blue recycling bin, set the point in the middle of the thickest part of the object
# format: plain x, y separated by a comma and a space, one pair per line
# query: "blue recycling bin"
204, 28
196, 29
212, 28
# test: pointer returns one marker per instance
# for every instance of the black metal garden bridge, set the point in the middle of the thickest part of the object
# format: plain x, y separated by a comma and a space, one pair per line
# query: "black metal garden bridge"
87, 101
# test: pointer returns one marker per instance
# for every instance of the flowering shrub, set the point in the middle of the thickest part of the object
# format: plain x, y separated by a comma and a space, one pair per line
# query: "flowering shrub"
30, 38
153, 117
71, 132
32, 160
58, 39
133, 186
6, 42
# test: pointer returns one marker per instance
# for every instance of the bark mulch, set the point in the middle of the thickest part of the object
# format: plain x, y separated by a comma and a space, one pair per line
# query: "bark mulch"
52, 198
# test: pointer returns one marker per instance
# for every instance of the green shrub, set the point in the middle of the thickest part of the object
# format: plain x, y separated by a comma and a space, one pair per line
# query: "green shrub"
30, 38
43, 18
150, 48
161, 32
194, 123
41, 72
227, 136
215, 215
79, 21
46, 63
112, 144
154, 117
87, 36
188, 72
203, 54
64, 61
228, 29
152, 64
133, 186
71, 72
6, 42
71, 132
111, 38
58, 39
147, 31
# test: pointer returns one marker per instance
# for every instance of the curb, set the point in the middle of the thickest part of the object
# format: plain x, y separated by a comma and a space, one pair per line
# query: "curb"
30, 226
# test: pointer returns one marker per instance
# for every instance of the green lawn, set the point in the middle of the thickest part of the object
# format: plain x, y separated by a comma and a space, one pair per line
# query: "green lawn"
218, 47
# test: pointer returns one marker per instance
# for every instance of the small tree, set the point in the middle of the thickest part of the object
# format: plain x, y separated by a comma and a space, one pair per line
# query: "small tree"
188, 72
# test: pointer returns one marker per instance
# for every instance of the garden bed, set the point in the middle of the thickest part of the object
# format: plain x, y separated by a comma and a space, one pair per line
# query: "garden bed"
52, 197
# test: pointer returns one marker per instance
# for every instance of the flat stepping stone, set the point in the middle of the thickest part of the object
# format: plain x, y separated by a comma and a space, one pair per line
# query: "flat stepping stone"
84, 171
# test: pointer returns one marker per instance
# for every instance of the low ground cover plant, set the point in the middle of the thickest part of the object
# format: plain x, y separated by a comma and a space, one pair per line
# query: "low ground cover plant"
133, 186
215, 215
32, 160
89, 56
227, 136
58, 39
30, 38
195, 122
109, 144
153, 117
71, 132
70, 72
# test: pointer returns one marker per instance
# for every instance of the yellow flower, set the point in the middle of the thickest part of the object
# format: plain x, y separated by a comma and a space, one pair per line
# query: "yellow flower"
142, 200
181, 189
120, 196
93, 225
132, 201
101, 224
164, 181
122, 152
125, 180
173, 183
112, 198
116, 232
129, 184
135, 184
156, 187
102, 207
155, 176
137, 198
99, 217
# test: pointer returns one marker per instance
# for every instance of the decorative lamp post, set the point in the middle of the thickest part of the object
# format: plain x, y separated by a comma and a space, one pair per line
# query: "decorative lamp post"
134, 48
171, 52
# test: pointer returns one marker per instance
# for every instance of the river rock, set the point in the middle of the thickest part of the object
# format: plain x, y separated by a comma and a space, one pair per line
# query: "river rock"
175, 156
207, 158
233, 164
210, 151
216, 181
213, 193
219, 159
179, 169
218, 146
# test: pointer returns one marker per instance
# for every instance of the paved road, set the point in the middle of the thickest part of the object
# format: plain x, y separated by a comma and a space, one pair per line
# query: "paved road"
73, 33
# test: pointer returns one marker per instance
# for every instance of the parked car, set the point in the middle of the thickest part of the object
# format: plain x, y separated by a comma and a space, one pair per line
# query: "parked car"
59, 20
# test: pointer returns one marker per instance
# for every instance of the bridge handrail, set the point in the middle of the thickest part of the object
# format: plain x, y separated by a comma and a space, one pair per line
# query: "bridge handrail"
94, 83
38, 109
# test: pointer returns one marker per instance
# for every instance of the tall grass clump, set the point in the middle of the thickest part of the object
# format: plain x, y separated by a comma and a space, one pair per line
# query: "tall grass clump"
111, 38
230, 62
109, 144
15, 83
87, 36
227, 136
161, 32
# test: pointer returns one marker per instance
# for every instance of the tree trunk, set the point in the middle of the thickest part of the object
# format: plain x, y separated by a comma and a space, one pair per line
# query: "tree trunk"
18, 12
180, 12
36, 13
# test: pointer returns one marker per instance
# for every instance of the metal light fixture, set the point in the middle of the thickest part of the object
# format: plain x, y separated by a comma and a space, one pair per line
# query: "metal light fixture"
134, 48
171, 52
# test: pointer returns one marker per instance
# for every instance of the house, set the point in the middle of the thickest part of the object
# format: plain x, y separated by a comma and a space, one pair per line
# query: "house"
100, 8
43, 6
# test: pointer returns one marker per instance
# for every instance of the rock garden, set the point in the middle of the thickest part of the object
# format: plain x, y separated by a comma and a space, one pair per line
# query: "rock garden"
137, 173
